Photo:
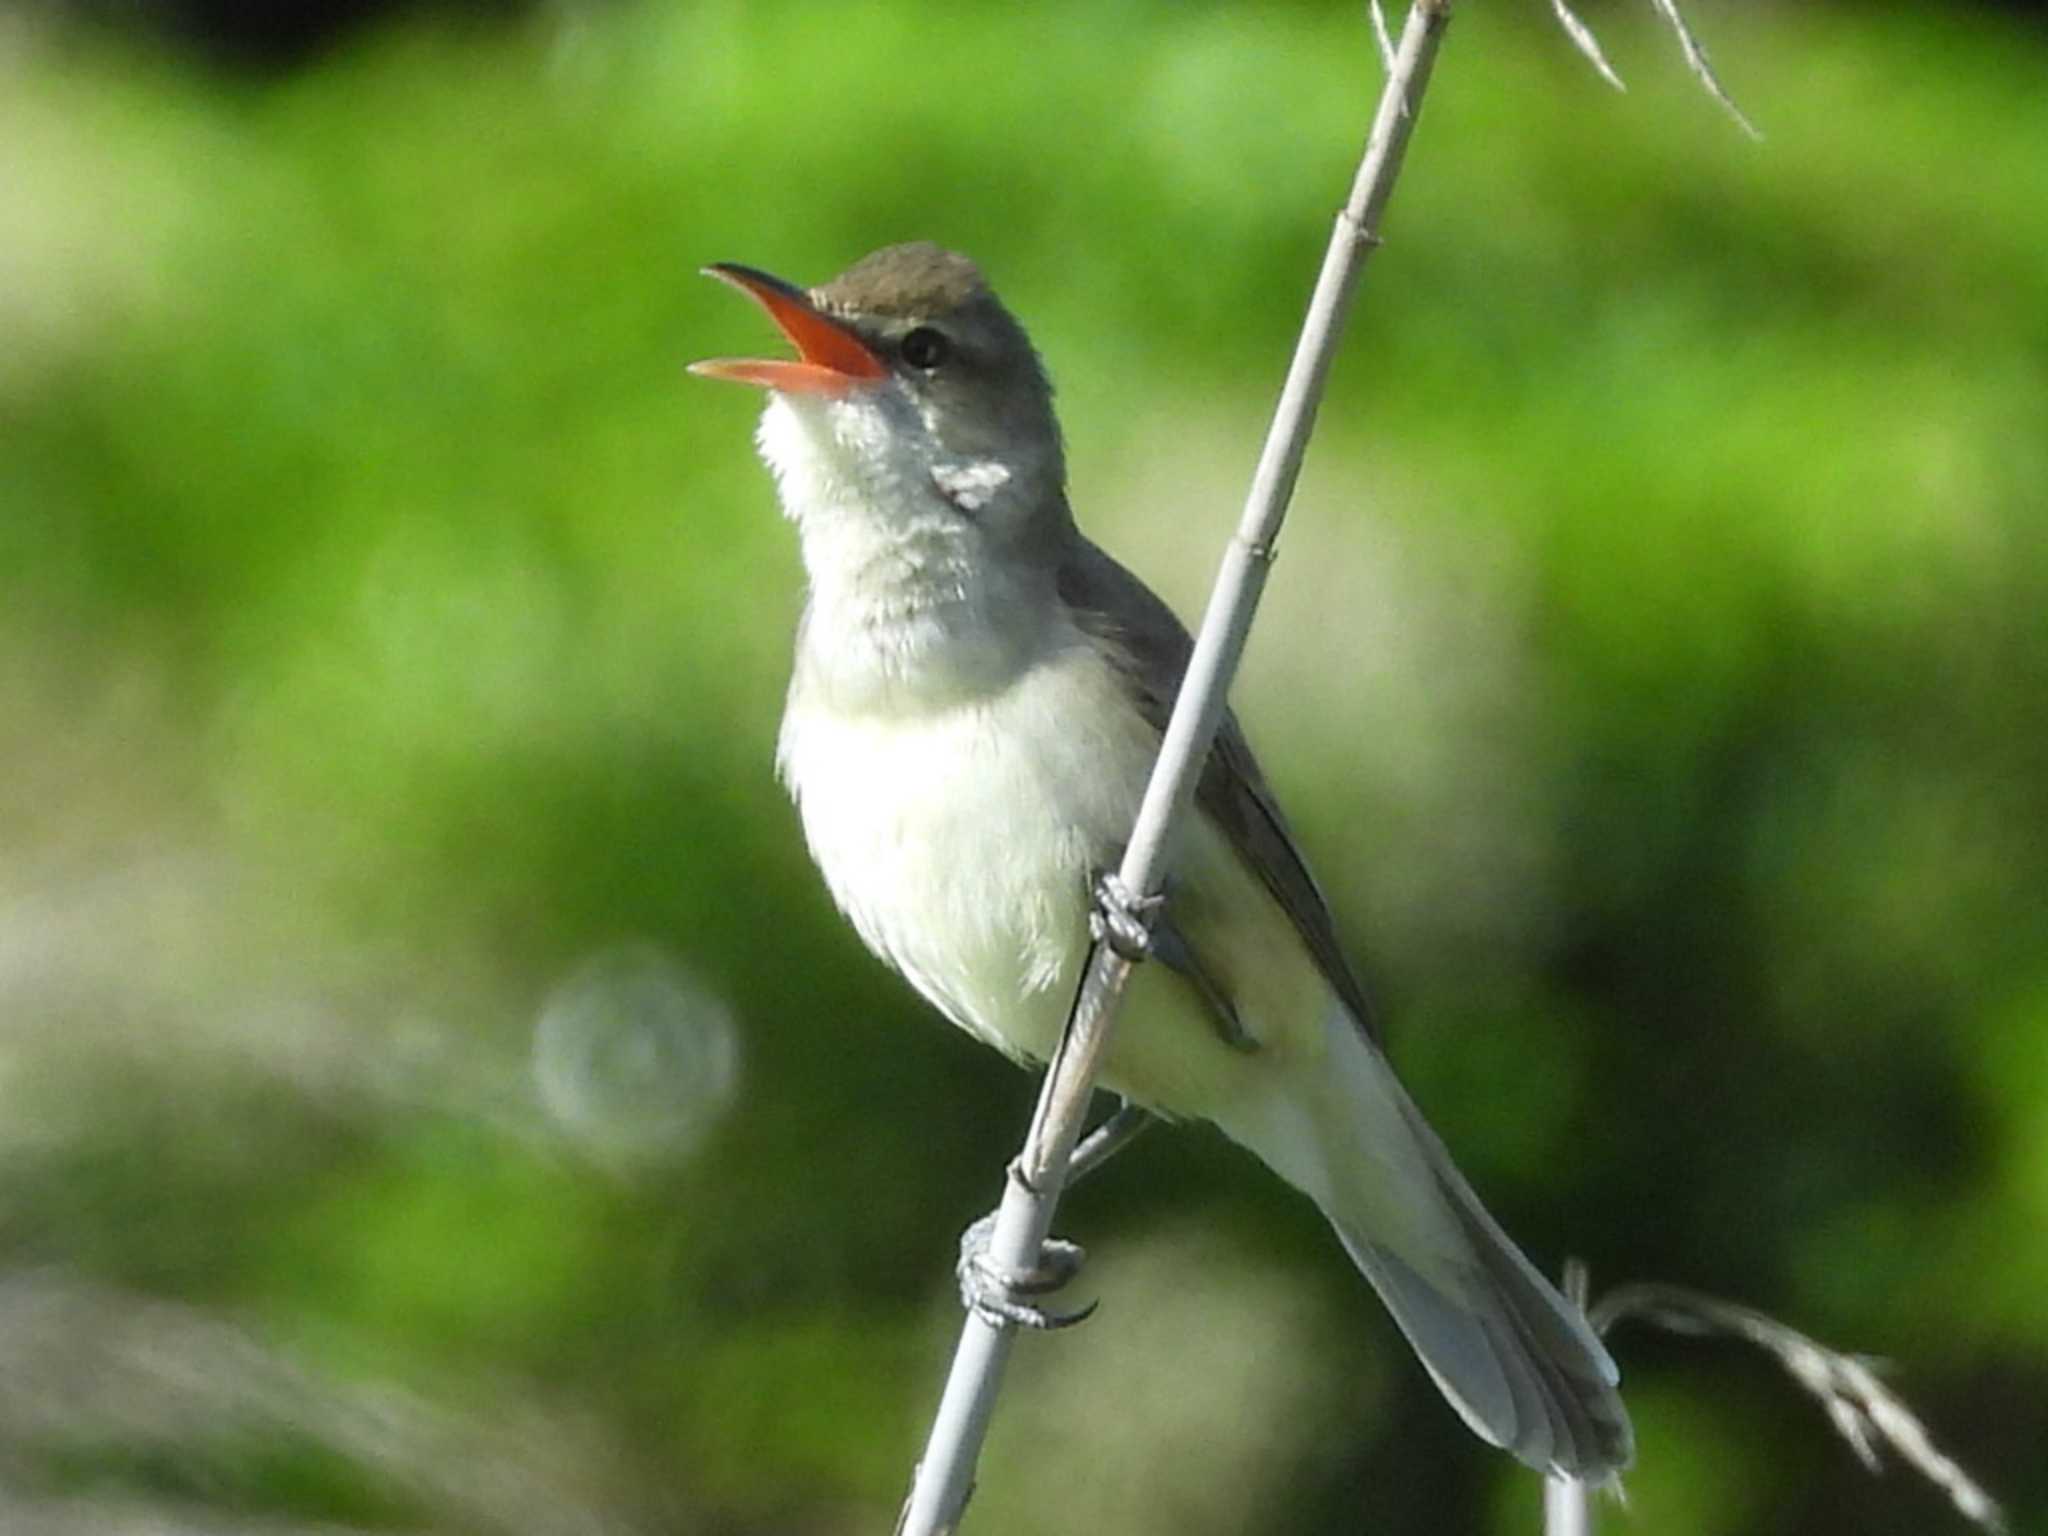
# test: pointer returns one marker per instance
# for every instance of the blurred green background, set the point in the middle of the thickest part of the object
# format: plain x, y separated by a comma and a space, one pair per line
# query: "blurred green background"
438, 1096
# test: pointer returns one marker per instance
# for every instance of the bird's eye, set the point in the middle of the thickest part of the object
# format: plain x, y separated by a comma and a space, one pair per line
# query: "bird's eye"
925, 348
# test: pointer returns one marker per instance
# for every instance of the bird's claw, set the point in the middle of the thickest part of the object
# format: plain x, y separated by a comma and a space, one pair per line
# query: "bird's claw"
997, 1295
1120, 918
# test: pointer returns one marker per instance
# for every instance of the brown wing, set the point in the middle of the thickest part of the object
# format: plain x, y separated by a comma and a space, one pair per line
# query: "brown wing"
1150, 646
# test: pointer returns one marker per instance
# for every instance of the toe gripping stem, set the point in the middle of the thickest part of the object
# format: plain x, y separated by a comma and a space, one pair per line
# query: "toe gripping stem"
1001, 1297
1121, 918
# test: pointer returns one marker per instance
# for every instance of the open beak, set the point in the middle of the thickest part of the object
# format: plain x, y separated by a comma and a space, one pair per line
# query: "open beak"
831, 358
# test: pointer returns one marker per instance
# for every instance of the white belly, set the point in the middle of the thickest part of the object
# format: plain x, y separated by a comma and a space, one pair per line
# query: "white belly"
964, 760
960, 840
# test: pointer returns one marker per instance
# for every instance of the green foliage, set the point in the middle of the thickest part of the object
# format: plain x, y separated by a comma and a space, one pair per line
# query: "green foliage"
1657, 667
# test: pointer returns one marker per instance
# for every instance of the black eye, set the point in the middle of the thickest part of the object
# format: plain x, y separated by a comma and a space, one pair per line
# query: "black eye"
925, 348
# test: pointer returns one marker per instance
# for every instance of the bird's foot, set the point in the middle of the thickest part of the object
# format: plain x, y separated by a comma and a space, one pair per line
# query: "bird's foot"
1001, 1297
1121, 918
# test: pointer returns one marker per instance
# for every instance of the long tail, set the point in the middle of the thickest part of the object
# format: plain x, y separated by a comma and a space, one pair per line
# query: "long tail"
1516, 1360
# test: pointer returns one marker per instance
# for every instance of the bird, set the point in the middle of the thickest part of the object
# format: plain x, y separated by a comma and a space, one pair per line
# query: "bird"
976, 701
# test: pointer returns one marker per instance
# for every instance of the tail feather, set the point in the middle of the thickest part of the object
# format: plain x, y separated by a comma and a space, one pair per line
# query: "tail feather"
1518, 1362
1509, 1353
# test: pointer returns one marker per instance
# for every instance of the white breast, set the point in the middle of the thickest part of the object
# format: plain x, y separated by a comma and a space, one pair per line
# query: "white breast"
962, 756
960, 840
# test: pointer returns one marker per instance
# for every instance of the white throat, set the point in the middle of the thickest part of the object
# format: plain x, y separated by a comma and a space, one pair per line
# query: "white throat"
910, 609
